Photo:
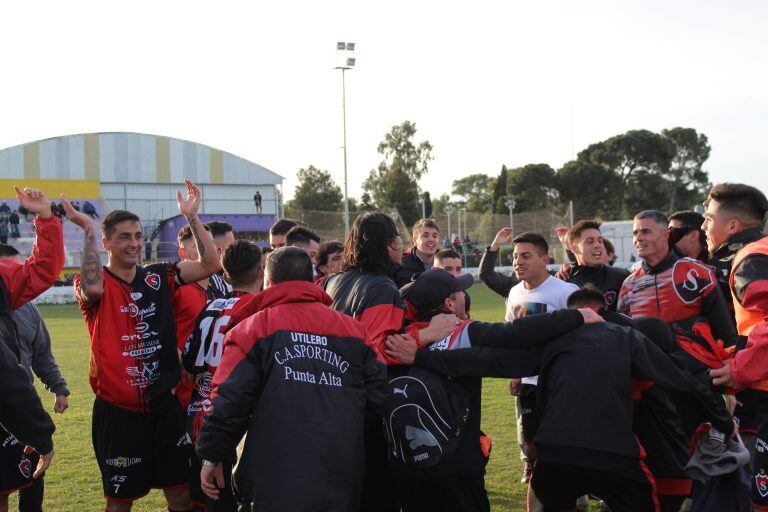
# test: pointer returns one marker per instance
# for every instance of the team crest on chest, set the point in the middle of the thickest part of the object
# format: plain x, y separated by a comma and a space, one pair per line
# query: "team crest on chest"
690, 280
153, 281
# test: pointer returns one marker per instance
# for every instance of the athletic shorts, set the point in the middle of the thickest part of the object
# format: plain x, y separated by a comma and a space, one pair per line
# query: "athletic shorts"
16, 469
528, 417
139, 451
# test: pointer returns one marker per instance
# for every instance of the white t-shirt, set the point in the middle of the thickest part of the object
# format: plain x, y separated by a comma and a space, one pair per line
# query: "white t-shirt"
550, 295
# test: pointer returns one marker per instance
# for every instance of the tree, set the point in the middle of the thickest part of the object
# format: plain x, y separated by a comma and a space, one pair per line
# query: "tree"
626, 154
394, 183
589, 186
477, 191
691, 150
366, 203
427, 204
439, 204
533, 186
316, 191
499, 195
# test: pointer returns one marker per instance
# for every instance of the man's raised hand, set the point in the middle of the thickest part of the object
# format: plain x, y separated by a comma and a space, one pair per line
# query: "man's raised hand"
34, 201
188, 206
78, 218
503, 237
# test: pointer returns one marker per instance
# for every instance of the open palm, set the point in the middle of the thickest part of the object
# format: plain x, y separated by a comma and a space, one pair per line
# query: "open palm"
189, 205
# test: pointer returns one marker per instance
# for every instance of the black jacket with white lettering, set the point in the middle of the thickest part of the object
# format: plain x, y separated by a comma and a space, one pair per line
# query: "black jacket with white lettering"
295, 378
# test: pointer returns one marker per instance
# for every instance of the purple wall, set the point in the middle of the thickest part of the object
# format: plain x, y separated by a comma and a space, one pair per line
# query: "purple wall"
242, 222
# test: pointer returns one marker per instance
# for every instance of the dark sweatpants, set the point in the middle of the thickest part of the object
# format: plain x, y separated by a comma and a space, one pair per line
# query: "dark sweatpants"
455, 493
559, 485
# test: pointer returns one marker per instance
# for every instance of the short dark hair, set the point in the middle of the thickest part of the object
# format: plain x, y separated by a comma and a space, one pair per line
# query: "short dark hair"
241, 262
8, 251
743, 200
115, 217
535, 239
282, 226
289, 264
368, 242
655, 215
218, 227
300, 235
575, 233
326, 249
424, 223
692, 219
446, 253
609, 248
586, 296
185, 233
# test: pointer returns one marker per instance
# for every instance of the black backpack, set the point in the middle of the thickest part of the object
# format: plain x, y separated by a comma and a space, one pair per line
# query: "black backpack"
425, 415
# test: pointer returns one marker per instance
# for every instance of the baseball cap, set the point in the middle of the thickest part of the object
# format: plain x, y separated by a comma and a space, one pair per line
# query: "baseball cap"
427, 291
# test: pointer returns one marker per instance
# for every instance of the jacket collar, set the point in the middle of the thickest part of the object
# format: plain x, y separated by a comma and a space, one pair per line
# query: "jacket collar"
666, 263
292, 292
737, 241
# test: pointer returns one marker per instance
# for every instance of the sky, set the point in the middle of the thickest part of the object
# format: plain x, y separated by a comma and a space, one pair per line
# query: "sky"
487, 83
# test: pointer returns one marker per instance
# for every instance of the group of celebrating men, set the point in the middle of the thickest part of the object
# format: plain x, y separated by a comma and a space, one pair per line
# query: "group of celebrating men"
330, 376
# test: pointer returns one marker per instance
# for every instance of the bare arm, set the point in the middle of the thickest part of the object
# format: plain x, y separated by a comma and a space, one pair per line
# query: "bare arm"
208, 262
91, 271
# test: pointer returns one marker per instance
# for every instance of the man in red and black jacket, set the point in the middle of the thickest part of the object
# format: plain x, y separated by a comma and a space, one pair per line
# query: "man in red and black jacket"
203, 350
23, 419
734, 219
138, 424
365, 290
296, 379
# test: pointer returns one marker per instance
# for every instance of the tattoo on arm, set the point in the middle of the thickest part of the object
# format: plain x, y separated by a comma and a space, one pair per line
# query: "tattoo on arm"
91, 272
196, 237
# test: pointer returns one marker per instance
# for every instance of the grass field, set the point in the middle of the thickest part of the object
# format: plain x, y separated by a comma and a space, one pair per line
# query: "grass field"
73, 483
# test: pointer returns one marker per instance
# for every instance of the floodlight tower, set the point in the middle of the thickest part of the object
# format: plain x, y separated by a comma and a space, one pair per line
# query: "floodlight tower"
345, 59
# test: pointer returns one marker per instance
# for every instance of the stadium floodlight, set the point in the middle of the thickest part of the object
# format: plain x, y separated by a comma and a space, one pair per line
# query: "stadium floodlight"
448, 209
345, 59
510, 202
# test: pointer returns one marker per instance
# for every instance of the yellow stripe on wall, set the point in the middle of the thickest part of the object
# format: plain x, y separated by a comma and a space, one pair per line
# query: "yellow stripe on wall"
52, 188
217, 166
32, 160
163, 159
91, 151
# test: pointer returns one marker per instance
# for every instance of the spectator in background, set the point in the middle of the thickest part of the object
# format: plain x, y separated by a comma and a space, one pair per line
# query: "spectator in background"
278, 231
3, 228
305, 239
23, 211
4, 208
687, 236
14, 221
426, 238
257, 201
90, 210
330, 258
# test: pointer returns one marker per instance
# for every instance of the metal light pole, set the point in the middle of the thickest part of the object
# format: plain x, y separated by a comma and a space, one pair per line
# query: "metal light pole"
466, 236
423, 206
510, 202
345, 53
448, 209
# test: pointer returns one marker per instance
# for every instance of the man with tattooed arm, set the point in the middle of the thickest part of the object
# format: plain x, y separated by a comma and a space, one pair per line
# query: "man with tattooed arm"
138, 425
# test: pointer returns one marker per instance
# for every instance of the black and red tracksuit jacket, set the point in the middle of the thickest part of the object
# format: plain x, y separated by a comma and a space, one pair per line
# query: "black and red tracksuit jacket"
296, 379
372, 299
19, 284
409, 267
679, 291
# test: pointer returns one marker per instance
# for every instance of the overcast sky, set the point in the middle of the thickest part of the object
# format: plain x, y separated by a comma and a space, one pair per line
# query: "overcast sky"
487, 83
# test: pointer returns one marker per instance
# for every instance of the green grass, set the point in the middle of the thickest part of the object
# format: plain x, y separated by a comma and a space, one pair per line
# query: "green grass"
73, 483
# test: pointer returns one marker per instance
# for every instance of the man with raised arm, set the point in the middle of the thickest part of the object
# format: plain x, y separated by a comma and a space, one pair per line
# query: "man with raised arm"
138, 424
23, 419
